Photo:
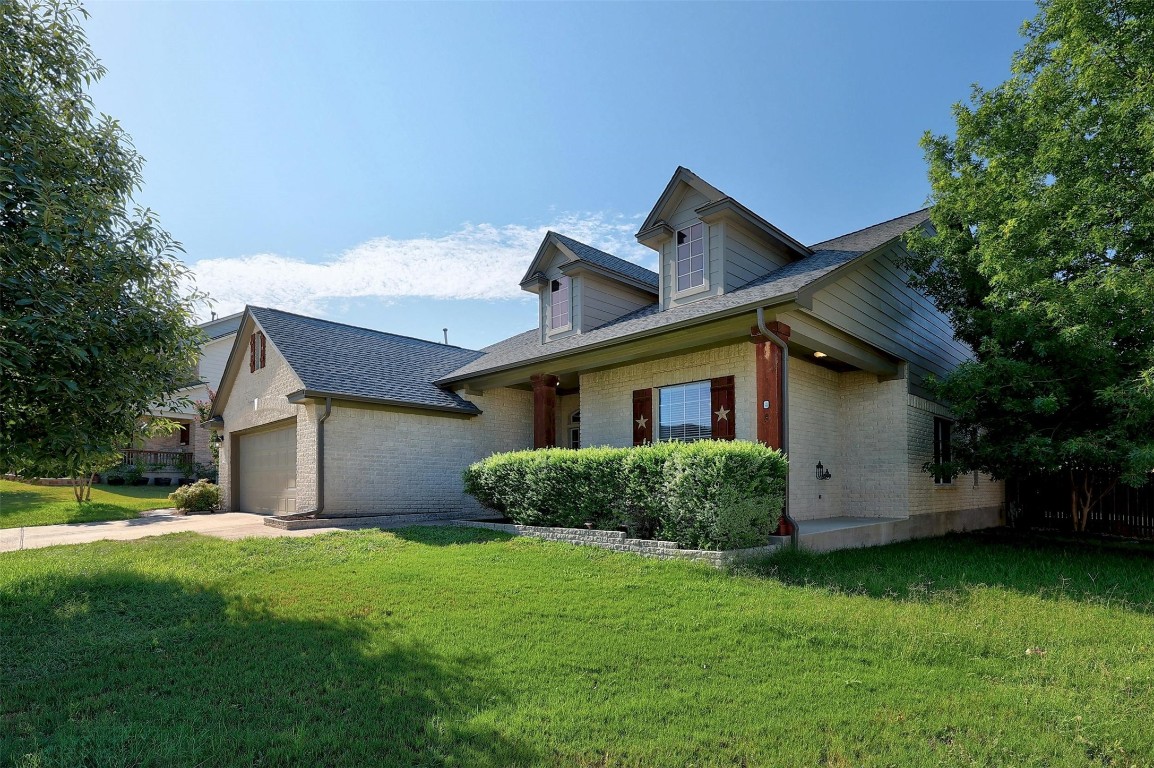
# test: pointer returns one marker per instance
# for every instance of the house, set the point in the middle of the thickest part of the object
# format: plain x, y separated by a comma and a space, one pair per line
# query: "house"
323, 416
190, 441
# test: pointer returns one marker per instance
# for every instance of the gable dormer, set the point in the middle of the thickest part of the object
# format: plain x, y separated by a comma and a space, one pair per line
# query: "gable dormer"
580, 288
708, 243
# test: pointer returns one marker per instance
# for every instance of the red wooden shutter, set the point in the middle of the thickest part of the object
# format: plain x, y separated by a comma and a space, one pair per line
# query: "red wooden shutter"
642, 416
261, 335
252, 353
722, 401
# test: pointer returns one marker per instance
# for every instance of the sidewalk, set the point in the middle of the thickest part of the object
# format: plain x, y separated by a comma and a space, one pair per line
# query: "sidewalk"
226, 525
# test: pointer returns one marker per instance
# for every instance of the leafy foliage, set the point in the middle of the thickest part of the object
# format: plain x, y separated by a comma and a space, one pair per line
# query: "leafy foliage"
1042, 254
201, 496
706, 495
95, 313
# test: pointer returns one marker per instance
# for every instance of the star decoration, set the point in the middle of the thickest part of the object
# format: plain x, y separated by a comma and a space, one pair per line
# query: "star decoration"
642, 422
722, 414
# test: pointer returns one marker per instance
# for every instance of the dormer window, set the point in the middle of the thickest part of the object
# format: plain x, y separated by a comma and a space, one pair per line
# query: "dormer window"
691, 257
559, 303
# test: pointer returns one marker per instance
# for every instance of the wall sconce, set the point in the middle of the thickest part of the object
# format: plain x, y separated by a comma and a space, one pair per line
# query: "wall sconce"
822, 472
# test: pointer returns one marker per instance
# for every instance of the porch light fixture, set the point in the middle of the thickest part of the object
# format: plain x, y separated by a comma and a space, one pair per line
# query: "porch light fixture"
819, 354
822, 472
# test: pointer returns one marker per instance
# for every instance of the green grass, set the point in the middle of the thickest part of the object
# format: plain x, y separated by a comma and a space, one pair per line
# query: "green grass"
24, 505
437, 647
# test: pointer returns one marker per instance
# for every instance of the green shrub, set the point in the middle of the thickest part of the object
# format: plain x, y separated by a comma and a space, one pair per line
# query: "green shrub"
703, 495
201, 496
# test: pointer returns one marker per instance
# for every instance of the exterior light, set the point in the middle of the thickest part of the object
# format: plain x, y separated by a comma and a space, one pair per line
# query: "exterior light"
822, 472
819, 354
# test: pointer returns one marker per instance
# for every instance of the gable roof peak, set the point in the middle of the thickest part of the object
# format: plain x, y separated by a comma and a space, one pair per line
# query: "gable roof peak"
681, 177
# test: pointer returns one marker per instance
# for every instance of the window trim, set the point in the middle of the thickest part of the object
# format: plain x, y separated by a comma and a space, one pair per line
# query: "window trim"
568, 326
706, 385
693, 289
943, 450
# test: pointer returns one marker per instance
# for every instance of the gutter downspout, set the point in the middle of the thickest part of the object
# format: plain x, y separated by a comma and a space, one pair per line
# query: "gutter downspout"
321, 457
793, 535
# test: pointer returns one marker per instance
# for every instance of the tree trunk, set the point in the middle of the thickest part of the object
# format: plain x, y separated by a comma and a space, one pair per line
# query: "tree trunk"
1086, 495
82, 487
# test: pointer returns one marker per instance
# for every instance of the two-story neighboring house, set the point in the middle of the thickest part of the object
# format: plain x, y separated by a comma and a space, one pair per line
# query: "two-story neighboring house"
743, 333
191, 441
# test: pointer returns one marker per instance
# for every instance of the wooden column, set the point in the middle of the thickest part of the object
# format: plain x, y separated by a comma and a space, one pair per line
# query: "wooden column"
770, 410
544, 410
769, 384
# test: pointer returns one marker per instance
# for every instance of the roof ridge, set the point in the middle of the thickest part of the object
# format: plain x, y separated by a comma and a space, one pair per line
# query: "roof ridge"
871, 226
361, 328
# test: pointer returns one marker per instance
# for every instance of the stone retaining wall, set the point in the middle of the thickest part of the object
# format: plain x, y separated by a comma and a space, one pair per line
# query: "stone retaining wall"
618, 542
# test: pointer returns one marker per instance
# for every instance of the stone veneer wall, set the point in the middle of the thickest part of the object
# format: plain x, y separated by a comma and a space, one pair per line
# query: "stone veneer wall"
607, 396
393, 461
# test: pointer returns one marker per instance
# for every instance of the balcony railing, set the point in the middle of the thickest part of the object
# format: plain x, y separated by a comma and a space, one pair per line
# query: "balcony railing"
166, 459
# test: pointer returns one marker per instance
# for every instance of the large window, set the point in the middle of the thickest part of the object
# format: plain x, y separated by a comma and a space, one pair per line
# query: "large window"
943, 453
691, 257
559, 302
684, 412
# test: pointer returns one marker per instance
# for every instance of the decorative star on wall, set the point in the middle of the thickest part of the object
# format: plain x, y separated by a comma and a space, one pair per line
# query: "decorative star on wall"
722, 413
642, 422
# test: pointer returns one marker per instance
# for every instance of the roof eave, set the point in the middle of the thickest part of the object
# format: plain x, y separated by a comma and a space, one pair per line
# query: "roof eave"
577, 267
789, 297
727, 206
311, 394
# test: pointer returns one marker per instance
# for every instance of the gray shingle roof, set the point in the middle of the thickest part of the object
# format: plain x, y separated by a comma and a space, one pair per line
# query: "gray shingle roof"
343, 360
828, 256
871, 237
609, 261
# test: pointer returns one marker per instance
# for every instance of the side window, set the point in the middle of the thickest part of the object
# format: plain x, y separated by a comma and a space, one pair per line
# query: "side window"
256, 352
943, 452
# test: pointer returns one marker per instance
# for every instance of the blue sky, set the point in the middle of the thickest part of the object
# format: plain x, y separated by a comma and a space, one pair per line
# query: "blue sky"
395, 165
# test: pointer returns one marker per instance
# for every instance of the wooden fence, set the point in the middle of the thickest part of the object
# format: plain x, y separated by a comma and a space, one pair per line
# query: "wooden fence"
1044, 502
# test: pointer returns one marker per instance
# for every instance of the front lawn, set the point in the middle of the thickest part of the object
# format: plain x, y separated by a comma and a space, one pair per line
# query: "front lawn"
441, 646
23, 505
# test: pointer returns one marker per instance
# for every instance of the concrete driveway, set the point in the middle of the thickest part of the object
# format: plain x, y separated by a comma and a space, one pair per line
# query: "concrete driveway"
226, 525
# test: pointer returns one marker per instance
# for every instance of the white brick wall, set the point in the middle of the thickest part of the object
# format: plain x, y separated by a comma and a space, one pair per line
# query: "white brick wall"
258, 398
607, 396
381, 461
814, 435
924, 496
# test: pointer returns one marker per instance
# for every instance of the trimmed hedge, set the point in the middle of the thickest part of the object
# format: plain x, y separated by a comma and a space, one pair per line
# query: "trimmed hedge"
711, 494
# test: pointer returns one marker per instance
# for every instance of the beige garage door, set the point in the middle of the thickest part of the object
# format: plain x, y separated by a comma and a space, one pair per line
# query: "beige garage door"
268, 471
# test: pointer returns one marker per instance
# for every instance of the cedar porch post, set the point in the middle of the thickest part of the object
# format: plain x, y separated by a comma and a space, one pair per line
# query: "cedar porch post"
771, 414
769, 370
544, 410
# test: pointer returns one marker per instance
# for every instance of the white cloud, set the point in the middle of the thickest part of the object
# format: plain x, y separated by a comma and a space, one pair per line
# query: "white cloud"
478, 261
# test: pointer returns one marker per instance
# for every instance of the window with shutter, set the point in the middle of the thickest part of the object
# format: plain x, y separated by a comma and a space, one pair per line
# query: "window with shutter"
642, 416
255, 352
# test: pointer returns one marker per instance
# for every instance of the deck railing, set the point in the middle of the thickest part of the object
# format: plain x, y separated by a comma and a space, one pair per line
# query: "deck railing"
165, 459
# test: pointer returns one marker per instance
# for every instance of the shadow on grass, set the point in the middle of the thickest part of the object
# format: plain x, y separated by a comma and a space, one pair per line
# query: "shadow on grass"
118, 669
448, 535
1093, 571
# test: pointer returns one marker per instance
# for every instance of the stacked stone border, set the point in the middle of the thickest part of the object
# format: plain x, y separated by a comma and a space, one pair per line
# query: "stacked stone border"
618, 542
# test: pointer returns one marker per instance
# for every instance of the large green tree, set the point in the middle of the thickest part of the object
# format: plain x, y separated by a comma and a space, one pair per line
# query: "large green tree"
1042, 254
95, 307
